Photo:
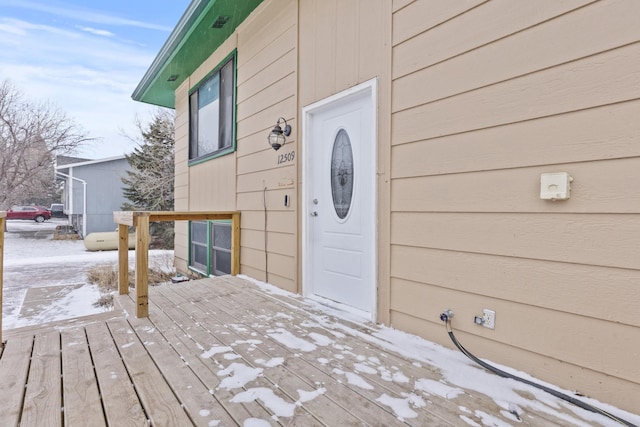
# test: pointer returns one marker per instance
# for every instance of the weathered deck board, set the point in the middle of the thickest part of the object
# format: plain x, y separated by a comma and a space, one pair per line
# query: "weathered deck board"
43, 398
231, 331
81, 396
342, 361
78, 322
208, 373
222, 352
190, 391
181, 342
249, 306
319, 411
121, 404
160, 404
14, 368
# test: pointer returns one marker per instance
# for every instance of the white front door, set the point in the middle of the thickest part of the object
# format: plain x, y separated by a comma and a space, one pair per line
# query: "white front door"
339, 199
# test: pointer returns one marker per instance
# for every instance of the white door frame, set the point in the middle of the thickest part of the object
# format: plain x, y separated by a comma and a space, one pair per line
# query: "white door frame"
370, 86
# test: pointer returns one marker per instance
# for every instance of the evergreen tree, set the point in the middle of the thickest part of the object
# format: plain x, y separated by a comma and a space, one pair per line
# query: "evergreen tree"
149, 184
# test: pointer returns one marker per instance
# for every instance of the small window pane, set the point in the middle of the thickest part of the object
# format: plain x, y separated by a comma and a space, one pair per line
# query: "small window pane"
208, 115
199, 232
223, 262
222, 236
193, 125
199, 255
212, 111
226, 105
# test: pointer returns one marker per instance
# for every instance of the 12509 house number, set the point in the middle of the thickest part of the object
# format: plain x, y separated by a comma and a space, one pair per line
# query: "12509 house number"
287, 157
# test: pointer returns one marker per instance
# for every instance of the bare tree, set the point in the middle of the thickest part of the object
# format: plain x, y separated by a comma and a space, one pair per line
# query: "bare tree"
31, 135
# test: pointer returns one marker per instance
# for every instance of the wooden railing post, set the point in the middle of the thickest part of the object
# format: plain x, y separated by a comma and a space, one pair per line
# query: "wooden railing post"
123, 259
235, 244
142, 266
2, 225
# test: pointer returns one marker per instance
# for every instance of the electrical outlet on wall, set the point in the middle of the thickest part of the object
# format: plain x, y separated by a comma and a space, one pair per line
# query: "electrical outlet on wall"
489, 318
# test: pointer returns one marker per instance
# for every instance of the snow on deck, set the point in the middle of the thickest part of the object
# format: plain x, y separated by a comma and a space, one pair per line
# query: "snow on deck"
223, 352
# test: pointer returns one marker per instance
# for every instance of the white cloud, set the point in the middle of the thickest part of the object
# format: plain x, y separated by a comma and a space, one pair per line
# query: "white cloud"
18, 27
8, 27
97, 32
72, 11
90, 78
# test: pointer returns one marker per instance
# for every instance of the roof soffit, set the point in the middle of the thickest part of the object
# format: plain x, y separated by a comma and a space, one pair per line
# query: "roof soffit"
192, 41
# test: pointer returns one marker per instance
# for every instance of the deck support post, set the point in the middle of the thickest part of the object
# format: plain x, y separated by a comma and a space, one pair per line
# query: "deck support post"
235, 244
123, 259
142, 266
3, 223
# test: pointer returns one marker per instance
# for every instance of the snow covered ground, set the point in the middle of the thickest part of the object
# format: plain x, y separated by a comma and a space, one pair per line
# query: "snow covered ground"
33, 260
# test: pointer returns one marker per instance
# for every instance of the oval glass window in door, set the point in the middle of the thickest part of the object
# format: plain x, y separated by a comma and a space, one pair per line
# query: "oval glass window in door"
342, 174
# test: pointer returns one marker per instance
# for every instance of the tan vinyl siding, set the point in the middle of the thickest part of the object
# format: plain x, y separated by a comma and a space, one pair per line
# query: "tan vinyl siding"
476, 99
590, 82
199, 187
181, 189
206, 186
466, 26
604, 132
266, 89
539, 366
342, 44
267, 65
431, 14
605, 186
486, 96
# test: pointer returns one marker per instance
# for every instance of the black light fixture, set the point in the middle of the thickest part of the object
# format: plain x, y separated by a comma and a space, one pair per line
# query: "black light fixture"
277, 136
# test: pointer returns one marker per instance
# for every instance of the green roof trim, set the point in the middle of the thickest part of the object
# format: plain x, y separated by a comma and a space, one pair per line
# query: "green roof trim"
204, 26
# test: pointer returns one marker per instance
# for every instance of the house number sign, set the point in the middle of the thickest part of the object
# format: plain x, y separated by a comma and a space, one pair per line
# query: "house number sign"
286, 157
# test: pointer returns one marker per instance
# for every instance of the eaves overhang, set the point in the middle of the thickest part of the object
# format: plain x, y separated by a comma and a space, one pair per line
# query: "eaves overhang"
204, 26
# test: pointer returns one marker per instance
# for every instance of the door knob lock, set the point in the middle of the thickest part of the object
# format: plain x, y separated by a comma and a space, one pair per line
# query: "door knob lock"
314, 213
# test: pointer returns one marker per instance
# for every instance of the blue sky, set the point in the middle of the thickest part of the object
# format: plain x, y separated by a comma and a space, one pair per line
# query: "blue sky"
86, 57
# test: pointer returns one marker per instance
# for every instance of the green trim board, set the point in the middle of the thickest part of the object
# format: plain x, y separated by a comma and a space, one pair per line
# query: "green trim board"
196, 36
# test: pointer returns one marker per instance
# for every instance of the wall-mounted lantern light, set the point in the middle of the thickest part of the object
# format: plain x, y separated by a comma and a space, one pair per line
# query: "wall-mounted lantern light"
277, 136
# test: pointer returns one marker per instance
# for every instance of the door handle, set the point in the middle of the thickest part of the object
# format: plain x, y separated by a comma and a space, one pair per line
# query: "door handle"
314, 213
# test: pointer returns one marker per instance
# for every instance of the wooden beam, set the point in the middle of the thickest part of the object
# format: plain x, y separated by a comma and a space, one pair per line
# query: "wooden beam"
142, 267
3, 223
123, 218
123, 259
191, 216
131, 217
235, 244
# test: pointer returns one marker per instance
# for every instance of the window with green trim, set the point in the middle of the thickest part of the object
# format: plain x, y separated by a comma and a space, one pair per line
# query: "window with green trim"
212, 113
210, 247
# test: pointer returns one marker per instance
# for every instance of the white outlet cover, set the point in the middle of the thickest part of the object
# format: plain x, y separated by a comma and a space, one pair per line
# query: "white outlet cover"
555, 186
489, 318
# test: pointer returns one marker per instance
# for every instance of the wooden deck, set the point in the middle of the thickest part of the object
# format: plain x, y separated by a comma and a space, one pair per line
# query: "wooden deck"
223, 352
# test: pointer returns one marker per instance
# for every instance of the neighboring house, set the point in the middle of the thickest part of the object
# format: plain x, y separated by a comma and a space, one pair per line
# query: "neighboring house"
99, 182
411, 182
